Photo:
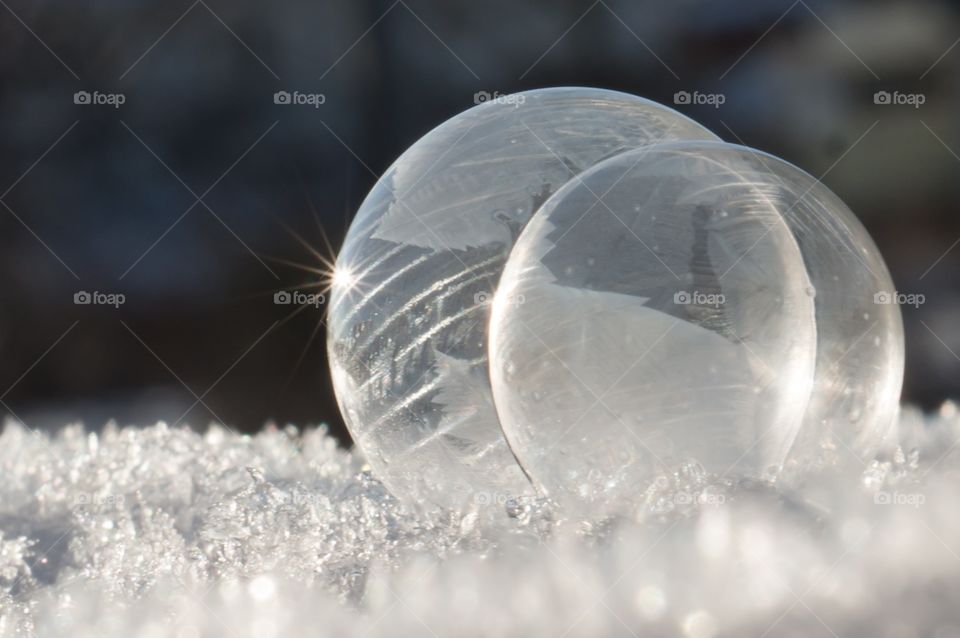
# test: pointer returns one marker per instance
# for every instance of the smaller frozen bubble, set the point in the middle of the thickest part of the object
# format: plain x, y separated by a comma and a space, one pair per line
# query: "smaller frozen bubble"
690, 300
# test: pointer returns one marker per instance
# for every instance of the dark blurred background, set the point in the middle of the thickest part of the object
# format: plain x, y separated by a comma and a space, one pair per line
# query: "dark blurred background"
104, 196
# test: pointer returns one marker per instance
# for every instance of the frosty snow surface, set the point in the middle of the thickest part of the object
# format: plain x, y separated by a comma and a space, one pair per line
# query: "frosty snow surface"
167, 532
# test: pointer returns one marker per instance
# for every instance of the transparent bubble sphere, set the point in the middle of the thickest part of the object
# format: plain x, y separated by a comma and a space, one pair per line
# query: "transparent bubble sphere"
407, 336
691, 301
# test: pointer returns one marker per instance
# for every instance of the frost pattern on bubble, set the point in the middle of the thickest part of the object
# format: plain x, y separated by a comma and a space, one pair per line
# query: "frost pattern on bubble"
408, 315
166, 532
690, 300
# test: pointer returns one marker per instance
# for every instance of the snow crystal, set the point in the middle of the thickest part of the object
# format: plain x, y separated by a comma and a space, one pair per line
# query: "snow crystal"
168, 532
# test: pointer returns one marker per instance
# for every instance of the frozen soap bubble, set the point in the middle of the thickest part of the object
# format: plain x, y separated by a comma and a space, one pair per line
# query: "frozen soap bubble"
692, 300
408, 315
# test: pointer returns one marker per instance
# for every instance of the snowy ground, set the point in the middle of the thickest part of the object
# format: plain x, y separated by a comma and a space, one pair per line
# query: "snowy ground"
166, 532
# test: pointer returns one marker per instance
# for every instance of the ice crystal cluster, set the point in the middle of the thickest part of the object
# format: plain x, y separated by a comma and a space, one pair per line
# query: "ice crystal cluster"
168, 532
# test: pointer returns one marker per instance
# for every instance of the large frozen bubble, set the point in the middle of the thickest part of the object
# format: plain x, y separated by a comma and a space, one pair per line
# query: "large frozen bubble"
409, 306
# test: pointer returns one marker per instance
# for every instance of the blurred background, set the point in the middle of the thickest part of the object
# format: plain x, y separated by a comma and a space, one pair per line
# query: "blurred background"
146, 153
